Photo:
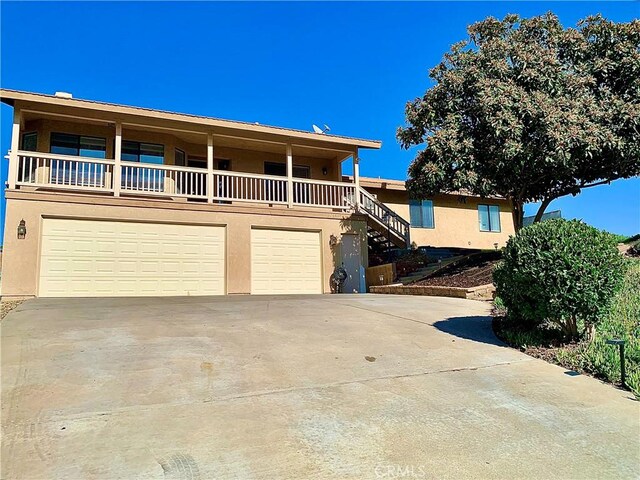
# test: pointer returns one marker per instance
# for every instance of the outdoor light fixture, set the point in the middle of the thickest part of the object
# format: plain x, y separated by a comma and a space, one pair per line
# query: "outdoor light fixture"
495, 245
324, 170
333, 240
381, 279
620, 343
22, 230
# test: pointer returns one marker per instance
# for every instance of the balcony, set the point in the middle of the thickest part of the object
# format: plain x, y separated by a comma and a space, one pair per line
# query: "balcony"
63, 172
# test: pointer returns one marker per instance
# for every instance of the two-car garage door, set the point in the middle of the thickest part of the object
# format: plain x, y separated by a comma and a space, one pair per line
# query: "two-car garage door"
93, 258
96, 258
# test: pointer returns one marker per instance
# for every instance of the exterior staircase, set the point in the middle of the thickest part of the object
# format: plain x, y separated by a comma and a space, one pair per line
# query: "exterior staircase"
385, 228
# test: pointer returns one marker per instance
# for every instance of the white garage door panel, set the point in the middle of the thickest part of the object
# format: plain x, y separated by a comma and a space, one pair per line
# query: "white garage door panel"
285, 261
100, 258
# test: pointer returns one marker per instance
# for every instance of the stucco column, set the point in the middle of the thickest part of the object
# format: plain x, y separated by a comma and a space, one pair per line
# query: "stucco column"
356, 177
210, 168
238, 255
289, 176
15, 146
116, 182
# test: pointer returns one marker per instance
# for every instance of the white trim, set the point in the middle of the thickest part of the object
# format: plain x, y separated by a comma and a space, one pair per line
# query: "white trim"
15, 145
71, 158
210, 168
289, 176
116, 182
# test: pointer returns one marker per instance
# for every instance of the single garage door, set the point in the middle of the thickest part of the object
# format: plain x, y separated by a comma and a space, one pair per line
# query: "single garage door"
90, 258
285, 261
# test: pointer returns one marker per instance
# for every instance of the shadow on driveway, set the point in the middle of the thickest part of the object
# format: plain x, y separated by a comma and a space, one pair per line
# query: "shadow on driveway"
477, 328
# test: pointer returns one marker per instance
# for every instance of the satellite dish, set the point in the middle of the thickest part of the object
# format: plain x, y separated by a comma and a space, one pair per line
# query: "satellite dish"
317, 129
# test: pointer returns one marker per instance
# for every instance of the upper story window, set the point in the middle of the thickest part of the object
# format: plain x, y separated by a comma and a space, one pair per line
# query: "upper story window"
280, 169
142, 152
30, 142
489, 218
78, 145
421, 213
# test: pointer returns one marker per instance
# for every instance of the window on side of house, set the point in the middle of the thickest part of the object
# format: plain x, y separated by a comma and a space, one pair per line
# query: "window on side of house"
142, 152
78, 145
30, 142
421, 213
489, 218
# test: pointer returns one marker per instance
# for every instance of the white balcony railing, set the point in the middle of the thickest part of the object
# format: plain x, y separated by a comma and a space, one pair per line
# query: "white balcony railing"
234, 186
64, 171
82, 173
165, 180
323, 194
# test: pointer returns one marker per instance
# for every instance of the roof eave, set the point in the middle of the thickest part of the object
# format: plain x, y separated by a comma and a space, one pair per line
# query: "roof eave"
9, 97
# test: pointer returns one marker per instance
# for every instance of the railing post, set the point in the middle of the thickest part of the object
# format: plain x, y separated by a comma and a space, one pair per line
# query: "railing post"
116, 177
356, 177
210, 168
289, 176
15, 146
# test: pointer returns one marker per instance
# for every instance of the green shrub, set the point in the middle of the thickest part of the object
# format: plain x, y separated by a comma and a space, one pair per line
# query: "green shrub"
560, 271
621, 321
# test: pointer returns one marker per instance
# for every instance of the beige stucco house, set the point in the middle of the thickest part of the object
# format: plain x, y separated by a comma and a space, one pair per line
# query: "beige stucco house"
113, 200
452, 220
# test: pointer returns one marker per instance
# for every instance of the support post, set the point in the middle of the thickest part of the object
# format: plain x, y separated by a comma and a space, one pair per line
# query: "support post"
15, 146
210, 168
289, 176
116, 179
356, 177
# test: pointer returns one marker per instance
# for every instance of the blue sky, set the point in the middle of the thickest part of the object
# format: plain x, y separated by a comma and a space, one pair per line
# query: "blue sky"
350, 65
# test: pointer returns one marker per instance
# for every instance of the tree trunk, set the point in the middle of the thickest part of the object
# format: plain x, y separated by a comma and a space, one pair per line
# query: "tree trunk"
591, 332
517, 212
571, 328
543, 206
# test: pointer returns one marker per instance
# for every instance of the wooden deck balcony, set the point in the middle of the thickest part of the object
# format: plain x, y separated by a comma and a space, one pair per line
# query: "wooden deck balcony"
63, 172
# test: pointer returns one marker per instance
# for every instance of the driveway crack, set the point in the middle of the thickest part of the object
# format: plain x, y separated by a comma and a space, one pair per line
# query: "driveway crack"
265, 393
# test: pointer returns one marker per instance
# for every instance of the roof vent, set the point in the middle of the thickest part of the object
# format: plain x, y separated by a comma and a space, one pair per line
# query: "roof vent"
63, 95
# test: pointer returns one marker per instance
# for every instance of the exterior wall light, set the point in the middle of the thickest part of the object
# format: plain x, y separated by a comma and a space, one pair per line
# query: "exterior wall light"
324, 170
333, 240
22, 230
495, 245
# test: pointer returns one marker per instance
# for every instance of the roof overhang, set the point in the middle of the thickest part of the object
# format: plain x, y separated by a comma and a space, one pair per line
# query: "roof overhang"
399, 185
111, 113
382, 183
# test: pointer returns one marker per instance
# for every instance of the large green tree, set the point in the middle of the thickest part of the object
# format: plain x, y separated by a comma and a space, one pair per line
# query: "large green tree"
530, 111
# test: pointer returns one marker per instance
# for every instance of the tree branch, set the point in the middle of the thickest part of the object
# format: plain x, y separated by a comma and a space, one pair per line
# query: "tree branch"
543, 206
595, 184
545, 203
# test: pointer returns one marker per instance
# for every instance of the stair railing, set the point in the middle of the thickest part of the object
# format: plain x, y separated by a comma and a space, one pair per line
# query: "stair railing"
379, 211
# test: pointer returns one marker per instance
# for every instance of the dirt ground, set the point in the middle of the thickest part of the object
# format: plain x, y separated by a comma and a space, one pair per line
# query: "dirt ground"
466, 276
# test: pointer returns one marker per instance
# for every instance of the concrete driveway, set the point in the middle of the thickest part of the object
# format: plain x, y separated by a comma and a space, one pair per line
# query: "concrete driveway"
357, 386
